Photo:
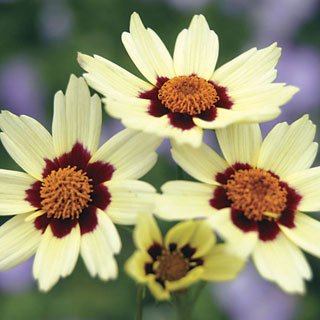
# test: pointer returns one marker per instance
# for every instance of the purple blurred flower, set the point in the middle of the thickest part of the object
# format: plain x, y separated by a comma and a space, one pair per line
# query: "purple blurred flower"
17, 279
20, 88
188, 5
250, 297
279, 19
56, 20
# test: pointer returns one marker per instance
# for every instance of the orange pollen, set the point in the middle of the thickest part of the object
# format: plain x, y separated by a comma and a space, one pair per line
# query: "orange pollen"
172, 265
257, 193
188, 94
65, 193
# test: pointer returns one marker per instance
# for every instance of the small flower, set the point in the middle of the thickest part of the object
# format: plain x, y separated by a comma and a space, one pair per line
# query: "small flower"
72, 194
186, 94
188, 253
254, 198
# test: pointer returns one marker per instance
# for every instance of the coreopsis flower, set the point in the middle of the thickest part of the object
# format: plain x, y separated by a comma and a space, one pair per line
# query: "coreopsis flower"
185, 95
255, 198
187, 254
71, 194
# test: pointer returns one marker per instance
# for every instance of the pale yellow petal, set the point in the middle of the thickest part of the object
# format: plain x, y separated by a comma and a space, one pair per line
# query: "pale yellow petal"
196, 49
251, 68
110, 79
240, 243
307, 184
197, 234
190, 278
56, 257
184, 200
306, 233
288, 149
128, 199
220, 265
157, 290
240, 143
135, 266
147, 51
146, 232
201, 163
19, 240
27, 142
98, 248
13, 186
281, 261
130, 152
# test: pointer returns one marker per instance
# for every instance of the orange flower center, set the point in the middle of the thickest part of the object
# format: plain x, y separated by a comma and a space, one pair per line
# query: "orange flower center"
65, 193
257, 193
172, 265
188, 94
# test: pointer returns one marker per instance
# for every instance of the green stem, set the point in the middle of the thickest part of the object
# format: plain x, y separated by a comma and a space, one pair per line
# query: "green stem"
139, 313
197, 294
185, 306
181, 307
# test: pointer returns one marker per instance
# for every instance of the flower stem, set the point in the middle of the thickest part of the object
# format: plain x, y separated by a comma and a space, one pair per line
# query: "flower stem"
139, 313
185, 306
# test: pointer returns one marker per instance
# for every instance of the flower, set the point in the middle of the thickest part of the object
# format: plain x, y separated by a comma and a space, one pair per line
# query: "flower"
188, 253
72, 194
254, 198
186, 94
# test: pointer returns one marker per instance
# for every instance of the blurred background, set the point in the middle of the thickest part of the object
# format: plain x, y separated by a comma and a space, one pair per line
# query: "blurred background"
39, 42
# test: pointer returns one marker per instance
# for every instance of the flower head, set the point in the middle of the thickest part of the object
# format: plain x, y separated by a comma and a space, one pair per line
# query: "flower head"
188, 253
71, 194
254, 198
185, 94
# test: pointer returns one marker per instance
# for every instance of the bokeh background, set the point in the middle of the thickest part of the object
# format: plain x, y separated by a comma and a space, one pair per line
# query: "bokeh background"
39, 41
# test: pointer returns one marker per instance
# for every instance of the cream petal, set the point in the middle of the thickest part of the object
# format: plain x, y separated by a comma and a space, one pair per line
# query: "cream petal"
128, 199
110, 79
196, 49
253, 67
129, 107
27, 142
98, 248
134, 115
147, 51
220, 265
306, 233
56, 257
262, 98
307, 184
19, 240
288, 149
130, 152
109, 231
198, 234
225, 117
184, 200
283, 262
240, 243
77, 118
240, 143
13, 186
84, 113
201, 163
146, 232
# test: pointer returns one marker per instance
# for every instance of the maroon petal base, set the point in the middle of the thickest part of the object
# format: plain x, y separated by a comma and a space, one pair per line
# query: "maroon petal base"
98, 172
268, 230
